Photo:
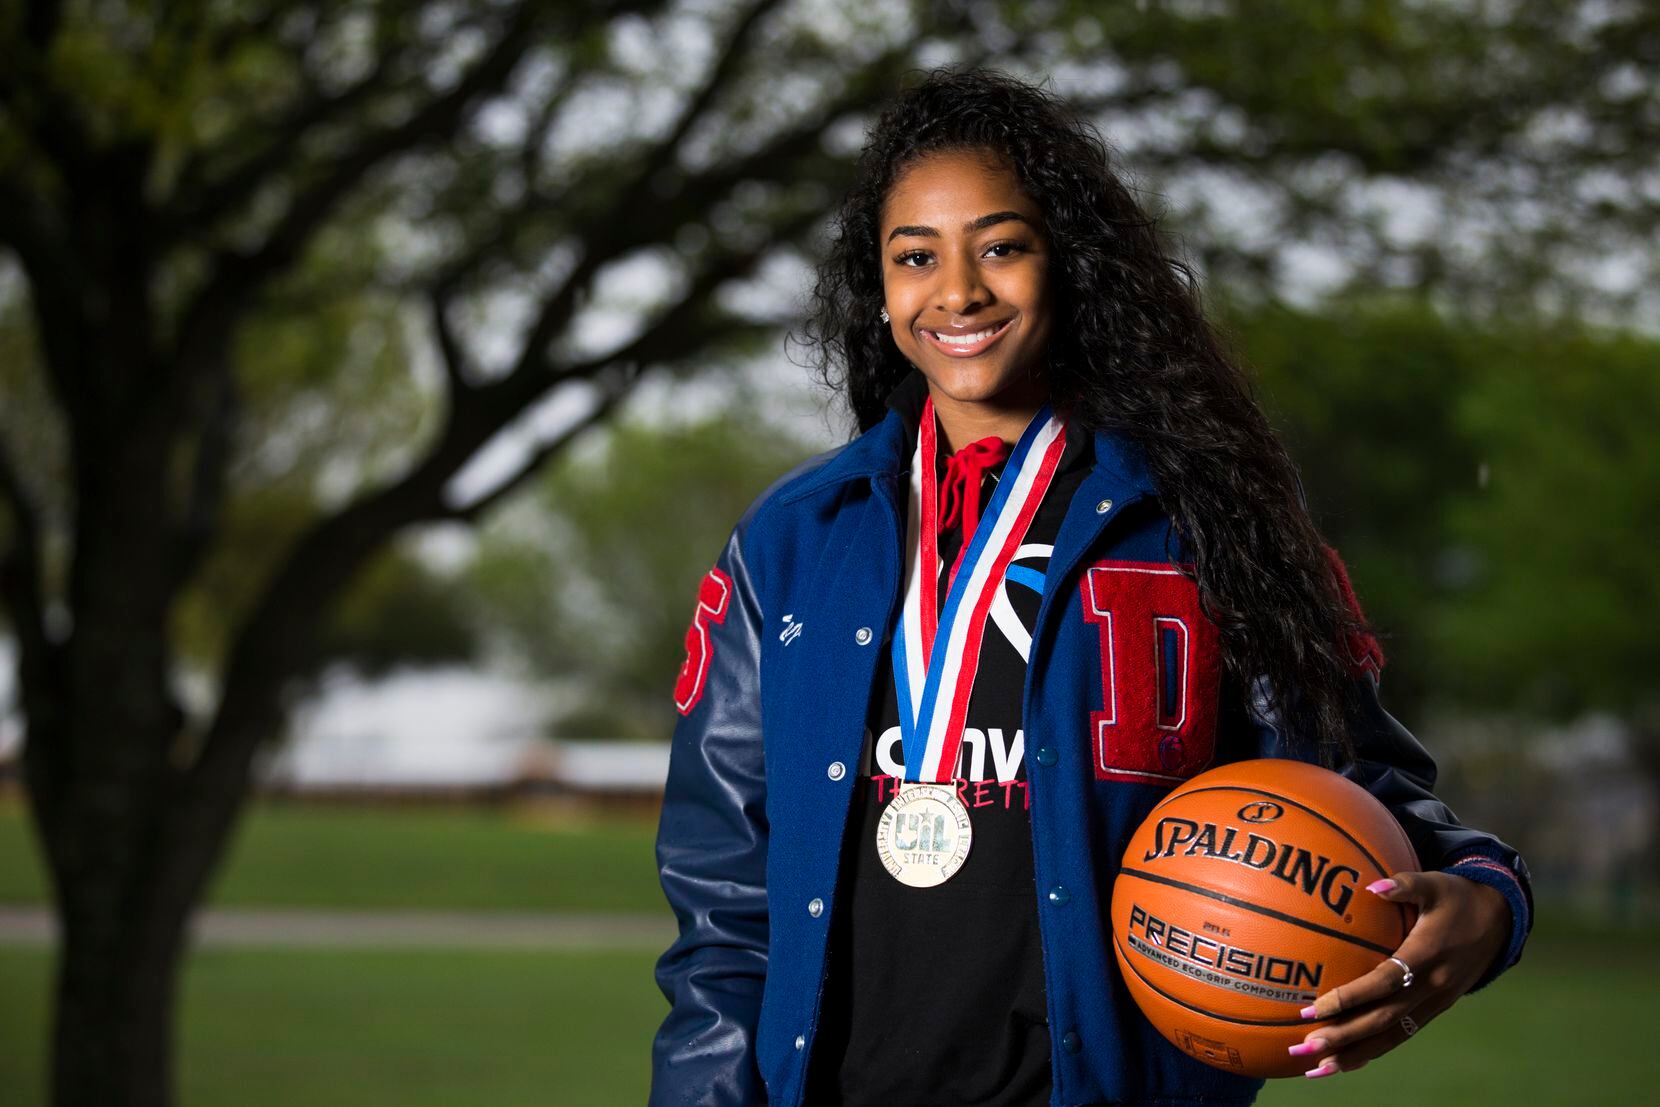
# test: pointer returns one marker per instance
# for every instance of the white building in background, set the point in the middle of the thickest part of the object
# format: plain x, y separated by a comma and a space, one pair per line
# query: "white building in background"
446, 730
449, 729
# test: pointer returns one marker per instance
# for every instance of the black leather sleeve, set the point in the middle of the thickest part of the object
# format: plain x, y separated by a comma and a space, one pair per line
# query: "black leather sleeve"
711, 856
1394, 766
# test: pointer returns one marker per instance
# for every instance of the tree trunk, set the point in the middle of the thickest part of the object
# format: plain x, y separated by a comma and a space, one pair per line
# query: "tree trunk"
113, 1025
104, 782
132, 828
123, 930
121, 921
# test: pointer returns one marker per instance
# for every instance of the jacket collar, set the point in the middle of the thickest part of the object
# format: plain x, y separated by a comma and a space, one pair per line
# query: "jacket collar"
884, 450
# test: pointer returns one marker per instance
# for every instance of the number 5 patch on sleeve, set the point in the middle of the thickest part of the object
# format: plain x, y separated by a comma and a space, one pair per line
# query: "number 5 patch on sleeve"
714, 600
1160, 673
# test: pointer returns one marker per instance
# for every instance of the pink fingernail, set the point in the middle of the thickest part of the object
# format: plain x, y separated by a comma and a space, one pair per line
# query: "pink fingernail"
1381, 886
1314, 1045
1309, 1012
1324, 1070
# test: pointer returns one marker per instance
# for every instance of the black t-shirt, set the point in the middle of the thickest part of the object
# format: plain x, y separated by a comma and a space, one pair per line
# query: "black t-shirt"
935, 995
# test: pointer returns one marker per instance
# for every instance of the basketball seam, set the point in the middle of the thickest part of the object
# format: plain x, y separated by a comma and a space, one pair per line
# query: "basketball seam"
1269, 911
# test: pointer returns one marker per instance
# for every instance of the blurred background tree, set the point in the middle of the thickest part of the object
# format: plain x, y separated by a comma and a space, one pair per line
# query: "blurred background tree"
586, 582
1494, 489
283, 283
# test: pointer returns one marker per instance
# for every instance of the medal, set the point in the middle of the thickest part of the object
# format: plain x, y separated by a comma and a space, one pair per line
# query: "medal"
924, 834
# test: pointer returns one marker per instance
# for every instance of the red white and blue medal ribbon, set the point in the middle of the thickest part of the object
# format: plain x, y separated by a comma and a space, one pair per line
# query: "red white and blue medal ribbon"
925, 834
937, 654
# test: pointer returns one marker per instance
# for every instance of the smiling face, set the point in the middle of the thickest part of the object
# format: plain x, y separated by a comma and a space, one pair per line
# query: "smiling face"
965, 281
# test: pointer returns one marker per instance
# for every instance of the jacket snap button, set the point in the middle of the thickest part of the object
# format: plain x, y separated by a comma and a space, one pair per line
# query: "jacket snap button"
1059, 896
837, 770
815, 907
800, 1040
862, 636
1046, 755
1071, 1042
1103, 507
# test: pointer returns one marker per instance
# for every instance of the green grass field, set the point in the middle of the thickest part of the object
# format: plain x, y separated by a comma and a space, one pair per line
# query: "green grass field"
413, 1028
338, 856
275, 1027
1570, 1025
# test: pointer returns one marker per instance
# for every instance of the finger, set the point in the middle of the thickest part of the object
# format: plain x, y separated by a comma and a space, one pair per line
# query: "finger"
1409, 887
1432, 1008
1368, 1048
1336, 1036
1382, 981
1357, 1055
1341, 1047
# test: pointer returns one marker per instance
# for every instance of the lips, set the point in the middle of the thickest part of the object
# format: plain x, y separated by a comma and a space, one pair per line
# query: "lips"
979, 341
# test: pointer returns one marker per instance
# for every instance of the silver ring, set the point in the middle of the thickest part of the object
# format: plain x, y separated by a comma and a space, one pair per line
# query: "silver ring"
1406, 981
1408, 1025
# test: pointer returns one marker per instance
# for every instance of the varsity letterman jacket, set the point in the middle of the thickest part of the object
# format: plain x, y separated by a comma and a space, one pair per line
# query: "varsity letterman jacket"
782, 655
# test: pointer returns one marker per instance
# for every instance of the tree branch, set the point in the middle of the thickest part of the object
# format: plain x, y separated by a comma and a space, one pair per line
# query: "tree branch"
673, 332
670, 334
507, 222
438, 119
626, 206
630, 221
498, 402
698, 104
286, 619
205, 504
203, 201
533, 154
678, 328
452, 355
324, 559
236, 276
226, 35
609, 399
48, 119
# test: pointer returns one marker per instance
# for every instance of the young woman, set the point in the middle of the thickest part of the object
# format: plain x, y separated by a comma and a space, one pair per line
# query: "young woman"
944, 617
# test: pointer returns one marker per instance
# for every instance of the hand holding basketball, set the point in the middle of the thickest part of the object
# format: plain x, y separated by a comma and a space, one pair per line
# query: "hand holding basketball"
1241, 897
1461, 927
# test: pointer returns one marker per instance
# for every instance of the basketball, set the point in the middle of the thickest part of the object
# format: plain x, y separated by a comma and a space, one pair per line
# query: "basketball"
1242, 897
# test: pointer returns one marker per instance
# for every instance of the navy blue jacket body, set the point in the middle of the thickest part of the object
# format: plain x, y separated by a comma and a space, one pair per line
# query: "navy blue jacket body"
782, 656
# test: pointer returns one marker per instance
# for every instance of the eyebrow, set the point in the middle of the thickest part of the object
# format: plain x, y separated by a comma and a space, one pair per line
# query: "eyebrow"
970, 227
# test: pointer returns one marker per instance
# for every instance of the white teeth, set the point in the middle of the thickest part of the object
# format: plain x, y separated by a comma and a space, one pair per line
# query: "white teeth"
966, 339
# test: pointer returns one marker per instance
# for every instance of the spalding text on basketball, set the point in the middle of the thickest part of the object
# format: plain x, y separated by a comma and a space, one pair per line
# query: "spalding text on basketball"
1314, 874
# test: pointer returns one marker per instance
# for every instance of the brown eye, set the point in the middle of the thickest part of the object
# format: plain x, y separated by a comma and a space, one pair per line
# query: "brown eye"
904, 259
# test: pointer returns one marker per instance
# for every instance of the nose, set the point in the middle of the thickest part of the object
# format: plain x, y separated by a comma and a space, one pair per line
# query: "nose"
962, 288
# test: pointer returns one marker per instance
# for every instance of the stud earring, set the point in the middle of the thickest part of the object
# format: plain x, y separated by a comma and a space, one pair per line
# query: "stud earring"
884, 314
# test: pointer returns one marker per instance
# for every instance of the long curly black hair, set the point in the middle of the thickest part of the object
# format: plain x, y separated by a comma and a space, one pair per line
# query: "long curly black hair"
1131, 351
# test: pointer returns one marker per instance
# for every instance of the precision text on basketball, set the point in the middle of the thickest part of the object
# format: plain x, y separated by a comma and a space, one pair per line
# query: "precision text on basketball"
1248, 972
